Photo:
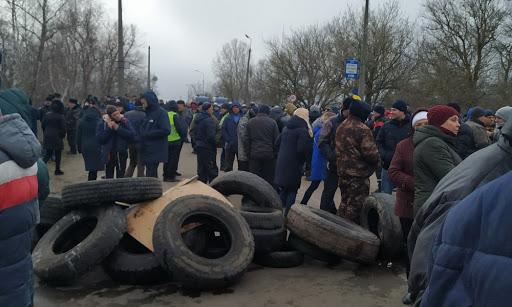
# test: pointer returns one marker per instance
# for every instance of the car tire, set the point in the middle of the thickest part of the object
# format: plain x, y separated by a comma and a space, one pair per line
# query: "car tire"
312, 250
333, 233
78, 242
248, 185
201, 271
132, 263
97, 193
378, 216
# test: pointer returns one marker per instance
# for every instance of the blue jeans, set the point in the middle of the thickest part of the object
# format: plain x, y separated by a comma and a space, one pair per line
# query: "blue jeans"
287, 198
386, 185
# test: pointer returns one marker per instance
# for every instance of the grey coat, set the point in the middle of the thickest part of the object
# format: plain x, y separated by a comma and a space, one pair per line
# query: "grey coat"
476, 170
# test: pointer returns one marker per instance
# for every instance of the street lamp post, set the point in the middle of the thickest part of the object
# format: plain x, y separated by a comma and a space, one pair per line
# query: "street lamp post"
196, 70
247, 96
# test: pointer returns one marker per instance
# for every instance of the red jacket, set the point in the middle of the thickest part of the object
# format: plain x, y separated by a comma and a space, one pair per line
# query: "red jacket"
401, 172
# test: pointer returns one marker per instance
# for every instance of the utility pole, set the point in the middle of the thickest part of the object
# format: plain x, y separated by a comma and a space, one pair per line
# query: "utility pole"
149, 67
364, 53
247, 94
120, 50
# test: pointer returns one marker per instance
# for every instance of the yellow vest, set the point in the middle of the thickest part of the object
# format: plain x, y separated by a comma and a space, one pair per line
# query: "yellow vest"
174, 136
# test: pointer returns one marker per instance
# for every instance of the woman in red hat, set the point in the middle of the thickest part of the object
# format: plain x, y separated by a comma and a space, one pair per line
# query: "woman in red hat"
434, 151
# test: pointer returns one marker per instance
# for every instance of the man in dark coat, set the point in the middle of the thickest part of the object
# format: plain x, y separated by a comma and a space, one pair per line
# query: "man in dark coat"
471, 261
87, 143
475, 171
206, 147
357, 159
327, 146
153, 134
175, 141
136, 117
54, 131
394, 131
114, 135
45, 108
72, 116
262, 134
478, 123
230, 135
19, 210
243, 139
295, 145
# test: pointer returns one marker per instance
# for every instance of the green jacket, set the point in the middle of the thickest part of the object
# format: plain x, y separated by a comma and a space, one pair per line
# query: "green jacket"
434, 157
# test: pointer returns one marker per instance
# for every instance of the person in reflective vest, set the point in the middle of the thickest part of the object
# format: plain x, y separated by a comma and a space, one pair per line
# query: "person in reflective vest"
175, 142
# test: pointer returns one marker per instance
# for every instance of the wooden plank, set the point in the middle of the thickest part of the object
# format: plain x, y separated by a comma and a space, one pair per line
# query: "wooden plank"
141, 218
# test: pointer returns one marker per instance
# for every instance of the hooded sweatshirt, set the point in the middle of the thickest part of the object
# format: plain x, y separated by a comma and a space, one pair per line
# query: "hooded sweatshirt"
154, 131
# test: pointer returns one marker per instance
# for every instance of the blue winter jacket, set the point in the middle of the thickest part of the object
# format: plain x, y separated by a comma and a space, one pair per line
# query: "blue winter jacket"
204, 132
19, 209
318, 162
154, 131
472, 257
230, 129
114, 141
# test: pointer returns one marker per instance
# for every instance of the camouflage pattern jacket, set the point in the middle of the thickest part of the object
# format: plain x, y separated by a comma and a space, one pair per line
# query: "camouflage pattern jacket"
356, 152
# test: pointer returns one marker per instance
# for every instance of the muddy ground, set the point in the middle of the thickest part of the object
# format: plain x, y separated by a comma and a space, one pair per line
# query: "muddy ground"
312, 284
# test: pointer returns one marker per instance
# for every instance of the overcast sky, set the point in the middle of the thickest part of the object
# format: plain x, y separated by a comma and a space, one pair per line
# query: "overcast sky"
187, 34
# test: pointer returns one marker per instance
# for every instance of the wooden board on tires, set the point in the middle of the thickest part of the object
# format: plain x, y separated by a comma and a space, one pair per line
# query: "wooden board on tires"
141, 218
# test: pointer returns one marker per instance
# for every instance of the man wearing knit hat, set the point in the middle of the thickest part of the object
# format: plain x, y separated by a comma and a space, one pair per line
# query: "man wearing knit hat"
477, 123
327, 146
357, 159
394, 131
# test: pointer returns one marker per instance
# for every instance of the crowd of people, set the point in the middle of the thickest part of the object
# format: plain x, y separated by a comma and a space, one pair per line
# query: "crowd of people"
415, 154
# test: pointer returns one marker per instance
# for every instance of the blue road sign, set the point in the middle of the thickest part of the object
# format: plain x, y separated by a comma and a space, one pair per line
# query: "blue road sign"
352, 69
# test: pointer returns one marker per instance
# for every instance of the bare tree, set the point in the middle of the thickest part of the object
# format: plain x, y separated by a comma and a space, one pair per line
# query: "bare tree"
230, 69
461, 34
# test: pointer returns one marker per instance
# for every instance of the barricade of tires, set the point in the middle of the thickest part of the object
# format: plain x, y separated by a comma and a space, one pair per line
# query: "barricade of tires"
199, 242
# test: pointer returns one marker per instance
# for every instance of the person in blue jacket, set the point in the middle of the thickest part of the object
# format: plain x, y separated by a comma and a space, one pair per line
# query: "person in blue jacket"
206, 146
472, 256
230, 135
153, 134
114, 134
318, 161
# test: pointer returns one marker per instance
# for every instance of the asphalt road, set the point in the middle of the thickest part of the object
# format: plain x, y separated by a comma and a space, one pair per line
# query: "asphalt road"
312, 284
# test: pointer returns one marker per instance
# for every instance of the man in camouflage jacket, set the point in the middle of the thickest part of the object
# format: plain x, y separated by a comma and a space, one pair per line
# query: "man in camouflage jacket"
357, 159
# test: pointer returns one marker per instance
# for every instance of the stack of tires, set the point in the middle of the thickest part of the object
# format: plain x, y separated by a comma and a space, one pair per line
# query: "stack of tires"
85, 227
262, 210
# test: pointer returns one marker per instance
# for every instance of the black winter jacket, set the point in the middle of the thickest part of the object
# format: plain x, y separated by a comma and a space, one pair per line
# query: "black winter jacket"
465, 144
392, 133
262, 132
54, 130
204, 132
72, 116
295, 145
87, 142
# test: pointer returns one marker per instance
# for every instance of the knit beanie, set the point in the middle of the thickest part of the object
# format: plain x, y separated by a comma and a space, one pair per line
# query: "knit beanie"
379, 109
438, 115
263, 109
477, 112
400, 105
360, 110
